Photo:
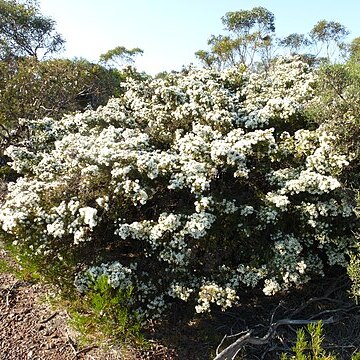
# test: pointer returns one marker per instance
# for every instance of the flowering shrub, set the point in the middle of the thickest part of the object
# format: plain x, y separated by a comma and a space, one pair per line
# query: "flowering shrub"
193, 187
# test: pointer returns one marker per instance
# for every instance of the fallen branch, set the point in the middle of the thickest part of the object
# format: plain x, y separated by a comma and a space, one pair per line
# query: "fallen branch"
232, 350
72, 344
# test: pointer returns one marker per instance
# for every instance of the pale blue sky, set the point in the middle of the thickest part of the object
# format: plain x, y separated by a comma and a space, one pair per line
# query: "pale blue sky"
170, 31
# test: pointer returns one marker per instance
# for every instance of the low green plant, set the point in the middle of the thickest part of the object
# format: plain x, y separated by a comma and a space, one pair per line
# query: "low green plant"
34, 267
354, 265
106, 310
103, 313
5, 266
309, 345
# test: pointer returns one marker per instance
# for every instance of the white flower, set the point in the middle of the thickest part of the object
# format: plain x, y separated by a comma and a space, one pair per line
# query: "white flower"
89, 216
271, 287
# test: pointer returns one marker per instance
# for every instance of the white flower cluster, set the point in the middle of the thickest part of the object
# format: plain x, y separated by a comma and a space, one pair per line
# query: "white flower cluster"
280, 94
248, 275
215, 294
181, 292
194, 181
288, 252
117, 276
280, 201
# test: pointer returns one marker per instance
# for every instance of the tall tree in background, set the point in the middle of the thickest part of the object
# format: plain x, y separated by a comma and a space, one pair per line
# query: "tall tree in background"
249, 41
295, 43
24, 31
120, 56
32, 86
328, 38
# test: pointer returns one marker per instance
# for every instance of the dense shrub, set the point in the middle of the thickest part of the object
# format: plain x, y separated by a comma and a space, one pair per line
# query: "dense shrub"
195, 187
33, 89
354, 265
336, 107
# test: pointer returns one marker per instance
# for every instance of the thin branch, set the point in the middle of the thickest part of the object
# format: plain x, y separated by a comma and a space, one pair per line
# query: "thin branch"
49, 318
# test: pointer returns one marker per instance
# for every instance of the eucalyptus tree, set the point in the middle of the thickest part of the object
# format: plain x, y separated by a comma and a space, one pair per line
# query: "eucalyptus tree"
250, 40
295, 43
328, 39
120, 56
25, 31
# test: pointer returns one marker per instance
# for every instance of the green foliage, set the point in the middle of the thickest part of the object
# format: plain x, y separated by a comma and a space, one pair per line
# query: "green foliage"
354, 274
33, 89
120, 56
206, 58
104, 311
250, 39
337, 107
107, 310
354, 49
242, 22
36, 267
30, 87
294, 42
309, 345
5, 266
6, 174
24, 31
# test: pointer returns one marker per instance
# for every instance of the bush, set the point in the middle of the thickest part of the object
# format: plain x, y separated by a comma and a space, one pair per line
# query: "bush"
337, 108
194, 188
33, 89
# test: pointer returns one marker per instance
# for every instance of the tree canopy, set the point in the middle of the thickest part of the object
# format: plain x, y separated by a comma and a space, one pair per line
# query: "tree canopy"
251, 41
250, 34
24, 31
328, 36
120, 56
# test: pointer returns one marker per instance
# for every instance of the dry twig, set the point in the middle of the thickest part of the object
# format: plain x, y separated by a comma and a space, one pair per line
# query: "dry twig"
9, 292
48, 318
